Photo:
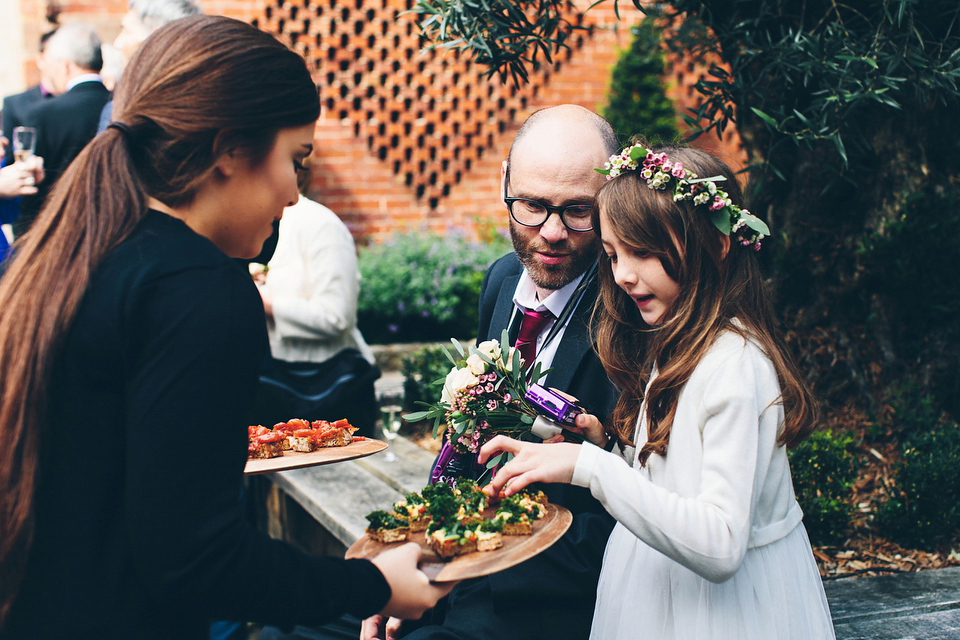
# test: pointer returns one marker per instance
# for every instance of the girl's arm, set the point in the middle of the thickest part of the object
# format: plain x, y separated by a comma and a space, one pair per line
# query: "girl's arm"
707, 531
706, 526
532, 462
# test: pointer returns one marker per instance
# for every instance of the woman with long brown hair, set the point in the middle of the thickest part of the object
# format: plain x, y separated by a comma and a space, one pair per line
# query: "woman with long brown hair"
709, 541
130, 343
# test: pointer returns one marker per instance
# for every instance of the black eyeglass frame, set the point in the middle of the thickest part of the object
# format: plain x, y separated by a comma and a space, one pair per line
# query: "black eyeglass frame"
549, 209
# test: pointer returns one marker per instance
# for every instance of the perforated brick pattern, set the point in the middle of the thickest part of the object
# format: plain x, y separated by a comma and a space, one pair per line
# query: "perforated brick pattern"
429, 115
413, 139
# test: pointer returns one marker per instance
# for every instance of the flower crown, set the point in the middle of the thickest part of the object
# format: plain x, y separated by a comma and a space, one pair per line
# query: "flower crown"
658, 172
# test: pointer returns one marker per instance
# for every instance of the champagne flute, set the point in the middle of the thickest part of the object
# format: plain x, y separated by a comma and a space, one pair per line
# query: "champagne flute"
391, 406
24, 143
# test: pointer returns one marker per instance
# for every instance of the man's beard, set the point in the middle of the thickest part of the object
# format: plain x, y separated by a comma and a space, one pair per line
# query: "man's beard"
550, 276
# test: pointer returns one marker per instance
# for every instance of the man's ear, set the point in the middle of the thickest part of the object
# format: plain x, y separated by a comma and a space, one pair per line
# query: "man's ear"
503, 180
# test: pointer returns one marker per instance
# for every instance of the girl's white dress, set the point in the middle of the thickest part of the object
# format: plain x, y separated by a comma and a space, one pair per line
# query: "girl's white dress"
709, 541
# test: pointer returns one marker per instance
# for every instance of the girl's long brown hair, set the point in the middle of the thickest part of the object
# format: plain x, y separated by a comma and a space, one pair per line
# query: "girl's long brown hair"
715, 286
198, 87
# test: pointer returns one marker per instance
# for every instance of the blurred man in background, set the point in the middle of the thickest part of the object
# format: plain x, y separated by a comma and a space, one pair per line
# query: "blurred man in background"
143, 17
66, 123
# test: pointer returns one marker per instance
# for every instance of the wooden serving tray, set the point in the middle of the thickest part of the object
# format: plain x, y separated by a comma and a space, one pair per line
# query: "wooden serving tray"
515, 549
325, 455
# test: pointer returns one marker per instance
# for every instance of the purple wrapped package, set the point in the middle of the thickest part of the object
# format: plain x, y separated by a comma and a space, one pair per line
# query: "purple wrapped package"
552, 405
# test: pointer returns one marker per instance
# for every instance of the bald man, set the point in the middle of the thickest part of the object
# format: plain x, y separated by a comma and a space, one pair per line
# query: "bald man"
547, 185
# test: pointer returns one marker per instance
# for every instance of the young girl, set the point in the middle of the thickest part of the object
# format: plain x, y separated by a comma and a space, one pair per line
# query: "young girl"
130, 344
709, 541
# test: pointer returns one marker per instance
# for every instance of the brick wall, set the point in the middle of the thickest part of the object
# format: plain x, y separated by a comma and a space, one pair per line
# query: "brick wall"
407, 138
413, 139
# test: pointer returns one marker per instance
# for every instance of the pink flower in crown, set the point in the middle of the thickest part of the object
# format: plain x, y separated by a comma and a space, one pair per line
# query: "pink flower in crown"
651, 156
678, 171
719, 202
667, 166
646, 173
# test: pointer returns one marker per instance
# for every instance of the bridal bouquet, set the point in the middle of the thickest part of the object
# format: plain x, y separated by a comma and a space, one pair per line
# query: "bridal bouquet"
483, 396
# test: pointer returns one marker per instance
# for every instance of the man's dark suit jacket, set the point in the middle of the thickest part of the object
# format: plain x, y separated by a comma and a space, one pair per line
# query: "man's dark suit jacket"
15, 107
64, 125
551, 595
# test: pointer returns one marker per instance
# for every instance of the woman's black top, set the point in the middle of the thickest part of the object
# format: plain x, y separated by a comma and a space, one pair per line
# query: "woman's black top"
139, 523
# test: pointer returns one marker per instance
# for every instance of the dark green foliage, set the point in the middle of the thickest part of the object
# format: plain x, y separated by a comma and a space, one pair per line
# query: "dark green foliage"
912, 411
913, 266
498, 33
422, 371
823, 468
638, 104
842, 109
924, 506
422, 287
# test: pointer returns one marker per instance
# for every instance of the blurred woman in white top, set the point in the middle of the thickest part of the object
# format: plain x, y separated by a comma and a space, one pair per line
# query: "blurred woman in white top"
309, 293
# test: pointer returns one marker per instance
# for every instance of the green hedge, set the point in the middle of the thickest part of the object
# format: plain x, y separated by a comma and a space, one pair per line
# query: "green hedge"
923, 508
422, 287
824, 468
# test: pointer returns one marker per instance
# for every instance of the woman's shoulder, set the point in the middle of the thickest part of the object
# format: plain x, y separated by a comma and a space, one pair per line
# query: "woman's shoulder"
160, 246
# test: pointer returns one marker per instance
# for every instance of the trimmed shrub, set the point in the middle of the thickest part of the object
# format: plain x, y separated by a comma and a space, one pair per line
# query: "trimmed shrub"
637, 102
824, 468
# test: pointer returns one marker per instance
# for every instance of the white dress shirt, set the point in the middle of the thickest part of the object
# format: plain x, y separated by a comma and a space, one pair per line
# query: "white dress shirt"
525, 297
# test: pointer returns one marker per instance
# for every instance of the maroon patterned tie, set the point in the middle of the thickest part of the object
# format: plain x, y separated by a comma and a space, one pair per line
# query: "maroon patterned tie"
531, 325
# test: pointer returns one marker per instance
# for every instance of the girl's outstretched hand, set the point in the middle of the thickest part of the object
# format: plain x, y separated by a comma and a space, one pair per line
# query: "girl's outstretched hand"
532, 462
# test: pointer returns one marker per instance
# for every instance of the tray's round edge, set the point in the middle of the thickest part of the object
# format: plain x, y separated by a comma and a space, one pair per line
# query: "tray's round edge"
547, 531
326, 455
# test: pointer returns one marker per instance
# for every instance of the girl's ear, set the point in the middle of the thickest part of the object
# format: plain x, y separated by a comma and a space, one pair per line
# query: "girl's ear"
724, 245
228, 160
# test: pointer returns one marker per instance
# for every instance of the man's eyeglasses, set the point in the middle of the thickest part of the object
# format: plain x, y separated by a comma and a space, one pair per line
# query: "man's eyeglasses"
533, 213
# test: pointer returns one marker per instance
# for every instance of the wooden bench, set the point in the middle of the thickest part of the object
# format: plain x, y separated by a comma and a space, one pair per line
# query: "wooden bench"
322, 509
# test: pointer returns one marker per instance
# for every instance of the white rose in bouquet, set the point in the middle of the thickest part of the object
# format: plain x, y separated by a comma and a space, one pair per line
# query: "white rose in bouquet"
508, 362
476, 364
462, 378
446, 394
490, 348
